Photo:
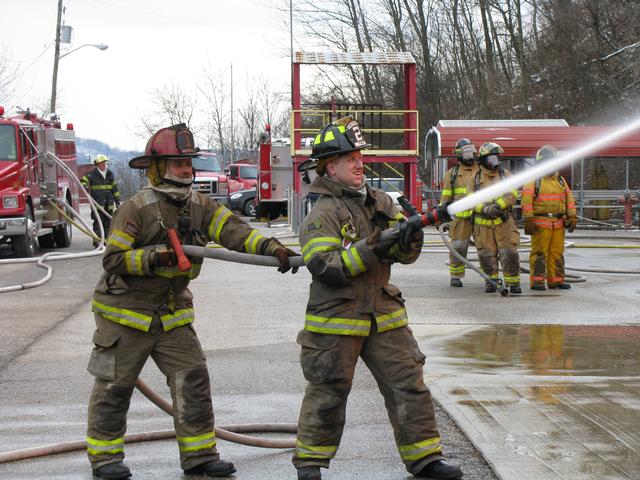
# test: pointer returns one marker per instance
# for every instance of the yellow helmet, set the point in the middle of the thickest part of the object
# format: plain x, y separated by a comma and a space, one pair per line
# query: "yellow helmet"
100, 158
546, 152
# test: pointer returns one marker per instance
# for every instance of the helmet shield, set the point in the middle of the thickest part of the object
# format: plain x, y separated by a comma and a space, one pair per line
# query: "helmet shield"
174, 141
466, 154
492, 162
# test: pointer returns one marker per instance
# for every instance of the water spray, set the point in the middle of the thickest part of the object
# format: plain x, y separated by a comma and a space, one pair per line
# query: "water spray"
540, 170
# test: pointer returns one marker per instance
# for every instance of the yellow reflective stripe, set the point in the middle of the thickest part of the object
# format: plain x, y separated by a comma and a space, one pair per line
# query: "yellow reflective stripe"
98, 447
123, 316
353, 262
108, 186
329, 136
217, 222
337, 326
416, 451
315, 451
502, 203
169, 272
486, 221
133, 261
177, 318
121, 240
465, 214
457, 269
251, 243
195, 270
392, 320
447, 192
510, 280
459, 190
193, 444
319, 244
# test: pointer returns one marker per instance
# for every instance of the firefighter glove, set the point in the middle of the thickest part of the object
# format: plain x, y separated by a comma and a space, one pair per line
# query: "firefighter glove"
571, 223
439, 214
164, 257
410, 233
491, 211
380, 248
529, 226
275, 249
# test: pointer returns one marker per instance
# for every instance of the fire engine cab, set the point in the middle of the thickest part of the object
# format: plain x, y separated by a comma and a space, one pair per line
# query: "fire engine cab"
31, 179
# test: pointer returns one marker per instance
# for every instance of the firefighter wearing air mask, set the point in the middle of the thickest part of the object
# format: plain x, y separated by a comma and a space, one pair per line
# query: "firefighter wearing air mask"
494, 231
548, 208
354, 312
458, 183
143, 307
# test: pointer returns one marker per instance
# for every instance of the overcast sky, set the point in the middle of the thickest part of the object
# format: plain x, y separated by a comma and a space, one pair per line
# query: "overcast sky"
151, 43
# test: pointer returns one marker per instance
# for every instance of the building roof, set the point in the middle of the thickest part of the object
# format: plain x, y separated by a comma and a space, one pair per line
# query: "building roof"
524, 141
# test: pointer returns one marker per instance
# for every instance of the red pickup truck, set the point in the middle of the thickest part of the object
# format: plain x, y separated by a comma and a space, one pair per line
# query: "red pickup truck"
241, 176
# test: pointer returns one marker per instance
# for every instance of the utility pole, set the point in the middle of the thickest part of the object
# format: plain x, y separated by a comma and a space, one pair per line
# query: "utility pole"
233, 142
56, 59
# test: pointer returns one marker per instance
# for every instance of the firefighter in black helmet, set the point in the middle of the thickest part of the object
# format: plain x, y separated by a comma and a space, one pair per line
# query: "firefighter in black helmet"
458, 183
354, 312
494, 230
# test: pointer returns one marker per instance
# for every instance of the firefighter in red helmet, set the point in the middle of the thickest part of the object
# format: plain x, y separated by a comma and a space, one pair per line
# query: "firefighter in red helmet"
354, 312
458, 183
143, 307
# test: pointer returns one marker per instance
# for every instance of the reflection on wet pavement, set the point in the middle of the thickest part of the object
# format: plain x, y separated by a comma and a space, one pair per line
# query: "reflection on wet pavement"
546, 401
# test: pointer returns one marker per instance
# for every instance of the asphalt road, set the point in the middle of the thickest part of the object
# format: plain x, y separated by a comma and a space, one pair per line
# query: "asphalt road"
247, 321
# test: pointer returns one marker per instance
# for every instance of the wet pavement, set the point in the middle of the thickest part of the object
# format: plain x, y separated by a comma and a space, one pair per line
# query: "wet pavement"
545, 385
546, 401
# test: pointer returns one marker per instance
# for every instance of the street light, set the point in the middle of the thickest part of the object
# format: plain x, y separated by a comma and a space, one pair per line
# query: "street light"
56, 59
99, 46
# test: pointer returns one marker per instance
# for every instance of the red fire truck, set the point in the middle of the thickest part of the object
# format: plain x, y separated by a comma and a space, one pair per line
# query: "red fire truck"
30, 178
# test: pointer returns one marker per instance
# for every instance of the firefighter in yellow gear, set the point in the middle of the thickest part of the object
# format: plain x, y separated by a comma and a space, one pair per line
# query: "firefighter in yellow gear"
143, 307
494, 229
101, 184
354, 312
548, 208
458, 183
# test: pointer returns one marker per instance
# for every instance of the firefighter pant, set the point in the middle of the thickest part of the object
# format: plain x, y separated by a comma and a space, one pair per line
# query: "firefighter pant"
460, 234
546, 260
106, 223
393, 357
118, 356
499, 242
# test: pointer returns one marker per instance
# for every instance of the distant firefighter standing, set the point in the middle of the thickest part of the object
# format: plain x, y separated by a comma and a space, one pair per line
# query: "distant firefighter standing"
548, 208
101, 184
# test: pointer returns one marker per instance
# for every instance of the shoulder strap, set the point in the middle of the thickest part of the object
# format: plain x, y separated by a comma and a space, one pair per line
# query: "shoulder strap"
536, 188
454, 175
477, 180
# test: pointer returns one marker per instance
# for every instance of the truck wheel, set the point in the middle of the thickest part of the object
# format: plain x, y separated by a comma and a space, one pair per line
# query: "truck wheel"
62, 235
46, 241
25, 245
250, 208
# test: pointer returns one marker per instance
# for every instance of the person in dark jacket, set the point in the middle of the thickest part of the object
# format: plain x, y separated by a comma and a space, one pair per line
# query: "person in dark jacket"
101, 184
354, 312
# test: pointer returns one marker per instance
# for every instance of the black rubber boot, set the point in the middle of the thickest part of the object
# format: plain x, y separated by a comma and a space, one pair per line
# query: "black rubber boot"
440, 470
309, 473
515, 289
537, 286
113, 471
489, 288
214, 468
562, 286
456, 282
